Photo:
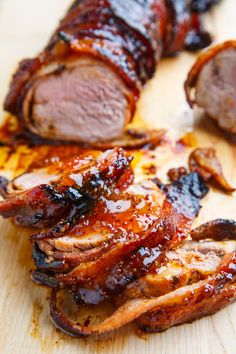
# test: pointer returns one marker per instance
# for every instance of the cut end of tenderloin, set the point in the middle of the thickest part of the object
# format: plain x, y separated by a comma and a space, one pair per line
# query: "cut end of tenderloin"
84, 100
216, 89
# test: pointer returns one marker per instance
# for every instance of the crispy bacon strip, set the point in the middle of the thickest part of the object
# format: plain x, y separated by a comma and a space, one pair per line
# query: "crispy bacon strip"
205, 162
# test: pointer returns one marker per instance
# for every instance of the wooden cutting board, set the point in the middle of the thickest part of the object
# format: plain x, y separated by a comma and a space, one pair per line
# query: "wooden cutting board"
25, 25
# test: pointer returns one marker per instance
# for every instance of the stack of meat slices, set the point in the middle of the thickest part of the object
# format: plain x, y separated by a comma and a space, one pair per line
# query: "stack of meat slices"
102, 236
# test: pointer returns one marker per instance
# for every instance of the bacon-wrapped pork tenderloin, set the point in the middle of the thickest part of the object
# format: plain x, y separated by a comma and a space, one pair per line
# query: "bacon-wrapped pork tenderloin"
83, 87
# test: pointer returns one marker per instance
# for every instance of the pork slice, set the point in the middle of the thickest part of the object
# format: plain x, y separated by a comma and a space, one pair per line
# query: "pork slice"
216, 89
83, 100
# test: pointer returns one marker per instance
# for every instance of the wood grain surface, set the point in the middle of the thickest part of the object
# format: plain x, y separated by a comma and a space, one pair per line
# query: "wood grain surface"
25, 25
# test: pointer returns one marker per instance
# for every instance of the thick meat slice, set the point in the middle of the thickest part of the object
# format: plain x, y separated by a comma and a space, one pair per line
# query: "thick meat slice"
43, 196
193, 301
214, 79
188, 264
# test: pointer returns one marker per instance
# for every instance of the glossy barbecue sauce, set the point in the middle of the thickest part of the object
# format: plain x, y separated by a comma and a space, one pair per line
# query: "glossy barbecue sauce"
119, 225
124, 237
